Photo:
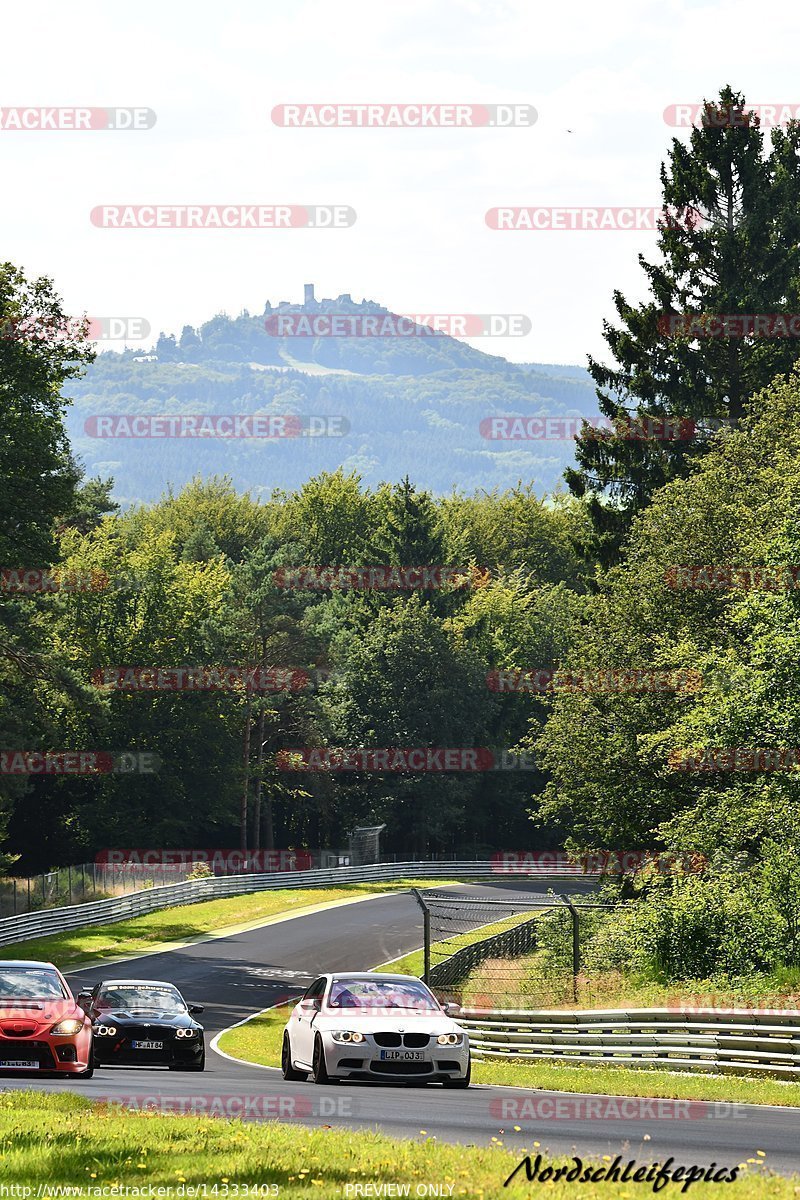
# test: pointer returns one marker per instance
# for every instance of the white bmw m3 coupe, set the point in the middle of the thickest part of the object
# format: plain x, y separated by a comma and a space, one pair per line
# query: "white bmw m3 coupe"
374, 1026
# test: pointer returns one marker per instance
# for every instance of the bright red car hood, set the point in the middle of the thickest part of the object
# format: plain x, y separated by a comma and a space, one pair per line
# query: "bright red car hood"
35, 1013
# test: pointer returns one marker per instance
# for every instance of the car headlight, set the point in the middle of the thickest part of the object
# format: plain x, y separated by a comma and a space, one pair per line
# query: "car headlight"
186, 1033
67, 1028
346, 1035
105, 1030
449, 1039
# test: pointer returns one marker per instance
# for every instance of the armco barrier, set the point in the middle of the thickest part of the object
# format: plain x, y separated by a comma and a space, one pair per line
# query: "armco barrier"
103, 912
725, 1041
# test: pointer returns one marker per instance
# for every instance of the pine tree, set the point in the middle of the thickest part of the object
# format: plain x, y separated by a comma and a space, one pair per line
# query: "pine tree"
410, 533
730, 244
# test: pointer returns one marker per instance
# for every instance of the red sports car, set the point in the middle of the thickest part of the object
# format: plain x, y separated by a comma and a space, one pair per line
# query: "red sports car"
42, 1029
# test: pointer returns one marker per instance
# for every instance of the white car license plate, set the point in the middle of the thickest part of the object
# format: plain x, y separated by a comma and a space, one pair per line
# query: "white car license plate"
148, 1045
19, 1065
403, 1055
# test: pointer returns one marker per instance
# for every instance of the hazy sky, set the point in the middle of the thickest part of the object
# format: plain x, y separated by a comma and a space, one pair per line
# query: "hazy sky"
213, 73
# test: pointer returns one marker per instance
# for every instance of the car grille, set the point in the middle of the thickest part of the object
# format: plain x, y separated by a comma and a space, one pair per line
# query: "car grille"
121, 1047
18, 1051
152, 1033
401, 1068
415, 1040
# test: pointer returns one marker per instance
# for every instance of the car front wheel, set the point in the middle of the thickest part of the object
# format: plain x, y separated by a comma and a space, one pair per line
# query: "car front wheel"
320, 1070
287, 1070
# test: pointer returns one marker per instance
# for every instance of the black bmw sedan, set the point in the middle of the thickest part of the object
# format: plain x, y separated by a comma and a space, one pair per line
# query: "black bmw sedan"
142, 1022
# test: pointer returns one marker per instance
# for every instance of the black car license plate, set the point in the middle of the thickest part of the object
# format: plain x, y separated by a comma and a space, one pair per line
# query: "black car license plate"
142, 1045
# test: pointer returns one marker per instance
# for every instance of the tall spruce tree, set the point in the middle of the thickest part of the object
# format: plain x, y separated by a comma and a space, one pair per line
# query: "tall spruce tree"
410, 533
730, 244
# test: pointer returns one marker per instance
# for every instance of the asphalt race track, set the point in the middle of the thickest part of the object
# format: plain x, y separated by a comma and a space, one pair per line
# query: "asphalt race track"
241, 974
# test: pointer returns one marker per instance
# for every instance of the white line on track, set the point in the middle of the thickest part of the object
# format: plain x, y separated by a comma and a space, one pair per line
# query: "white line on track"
244, 1062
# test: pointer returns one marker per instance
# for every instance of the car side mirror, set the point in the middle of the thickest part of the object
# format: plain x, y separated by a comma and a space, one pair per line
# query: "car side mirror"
196, 1009
313, 1004
451, 1008
84, 999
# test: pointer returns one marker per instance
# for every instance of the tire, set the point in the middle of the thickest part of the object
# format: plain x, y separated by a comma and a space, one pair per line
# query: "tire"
460, 1083
320, 1071
288, 1071
87, 1074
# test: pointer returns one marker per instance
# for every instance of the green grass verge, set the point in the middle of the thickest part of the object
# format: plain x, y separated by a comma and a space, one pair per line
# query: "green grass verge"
637, 1081
145, 934
66, 1141
259, 1041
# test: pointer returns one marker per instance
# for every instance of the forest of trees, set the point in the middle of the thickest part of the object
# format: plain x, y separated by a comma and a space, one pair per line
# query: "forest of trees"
584, 585
195, 581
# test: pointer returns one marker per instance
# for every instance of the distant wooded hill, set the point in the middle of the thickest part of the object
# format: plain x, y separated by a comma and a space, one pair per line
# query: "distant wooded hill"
412, 406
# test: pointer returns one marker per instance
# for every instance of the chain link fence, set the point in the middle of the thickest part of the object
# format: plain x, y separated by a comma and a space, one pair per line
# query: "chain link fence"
83, 883
519, 951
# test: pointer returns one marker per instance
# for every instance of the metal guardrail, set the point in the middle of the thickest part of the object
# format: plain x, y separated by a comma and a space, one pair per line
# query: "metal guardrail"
104, 912
724, 1041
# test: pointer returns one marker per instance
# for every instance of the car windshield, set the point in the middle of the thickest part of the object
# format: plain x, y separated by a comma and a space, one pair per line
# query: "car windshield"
141, 998
375, 994
30, 983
